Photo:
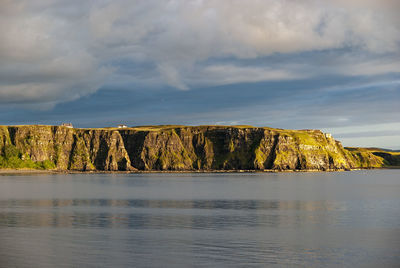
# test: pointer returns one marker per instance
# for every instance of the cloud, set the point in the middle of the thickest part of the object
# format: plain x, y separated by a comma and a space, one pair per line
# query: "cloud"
171, 76
42, 60
55, 51
230, 74
373, 67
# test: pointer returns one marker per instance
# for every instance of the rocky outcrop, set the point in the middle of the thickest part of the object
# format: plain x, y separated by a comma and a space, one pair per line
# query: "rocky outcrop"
64, 148
176, 148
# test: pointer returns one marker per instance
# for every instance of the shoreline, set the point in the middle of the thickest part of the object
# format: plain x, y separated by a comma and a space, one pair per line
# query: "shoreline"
38, 171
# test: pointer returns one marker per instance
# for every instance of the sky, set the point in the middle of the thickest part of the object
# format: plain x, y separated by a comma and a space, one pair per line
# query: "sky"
332, 65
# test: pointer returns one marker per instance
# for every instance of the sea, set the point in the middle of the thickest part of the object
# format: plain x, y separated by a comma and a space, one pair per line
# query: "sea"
292, 219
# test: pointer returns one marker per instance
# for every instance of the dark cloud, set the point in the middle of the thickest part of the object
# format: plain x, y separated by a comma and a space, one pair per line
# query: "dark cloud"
292, 64
47, 45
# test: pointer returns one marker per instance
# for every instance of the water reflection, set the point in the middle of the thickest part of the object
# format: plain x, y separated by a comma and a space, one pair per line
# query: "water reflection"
324, 220
148, 214
181, 204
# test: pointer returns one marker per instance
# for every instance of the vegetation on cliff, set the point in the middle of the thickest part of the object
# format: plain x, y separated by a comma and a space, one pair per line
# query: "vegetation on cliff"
385, 158
180, 148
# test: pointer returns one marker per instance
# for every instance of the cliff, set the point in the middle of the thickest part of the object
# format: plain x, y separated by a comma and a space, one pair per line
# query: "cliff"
178, 148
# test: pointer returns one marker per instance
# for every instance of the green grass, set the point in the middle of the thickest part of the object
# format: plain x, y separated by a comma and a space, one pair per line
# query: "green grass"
364, 157
12, 158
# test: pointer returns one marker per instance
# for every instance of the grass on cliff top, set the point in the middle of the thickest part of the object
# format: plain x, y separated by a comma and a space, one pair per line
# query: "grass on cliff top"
156, 127
371, 150
28, 126
168, 127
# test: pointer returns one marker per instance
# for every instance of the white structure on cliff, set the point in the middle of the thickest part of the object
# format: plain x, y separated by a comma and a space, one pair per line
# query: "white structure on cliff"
68, 125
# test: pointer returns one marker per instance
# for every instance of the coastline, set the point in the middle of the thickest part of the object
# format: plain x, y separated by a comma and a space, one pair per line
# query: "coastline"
178, 149
37, 171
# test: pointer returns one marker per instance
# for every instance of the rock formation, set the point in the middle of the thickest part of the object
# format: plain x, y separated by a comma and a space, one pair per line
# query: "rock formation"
177, 148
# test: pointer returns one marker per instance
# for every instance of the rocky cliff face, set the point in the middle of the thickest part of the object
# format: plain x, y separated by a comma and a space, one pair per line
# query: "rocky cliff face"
176, 148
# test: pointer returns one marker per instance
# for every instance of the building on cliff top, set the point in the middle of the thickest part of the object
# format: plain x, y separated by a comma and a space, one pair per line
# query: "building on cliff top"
68, 125
122, 126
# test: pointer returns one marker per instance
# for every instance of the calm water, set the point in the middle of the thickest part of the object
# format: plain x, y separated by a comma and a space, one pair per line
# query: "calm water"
345, 219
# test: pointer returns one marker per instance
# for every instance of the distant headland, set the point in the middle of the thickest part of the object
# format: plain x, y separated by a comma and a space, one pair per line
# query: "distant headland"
180, 148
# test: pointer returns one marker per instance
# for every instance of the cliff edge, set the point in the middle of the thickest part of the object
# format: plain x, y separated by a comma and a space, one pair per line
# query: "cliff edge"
178, 148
